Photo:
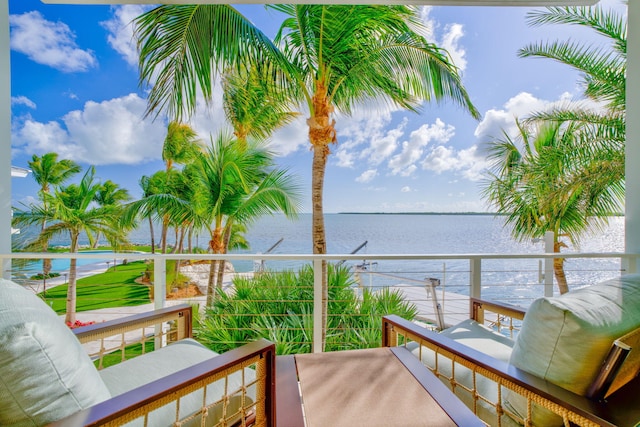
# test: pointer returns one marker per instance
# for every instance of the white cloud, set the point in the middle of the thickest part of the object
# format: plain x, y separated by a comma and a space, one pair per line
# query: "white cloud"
449, 39
292, 137
345, 158
120, 29
49, 43
109, 132
412, 150
405, 189
23, 100
468, 162
367, 176
363, 136
495, 121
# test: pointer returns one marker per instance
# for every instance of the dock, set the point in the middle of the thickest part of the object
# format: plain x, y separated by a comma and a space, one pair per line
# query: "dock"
454, 307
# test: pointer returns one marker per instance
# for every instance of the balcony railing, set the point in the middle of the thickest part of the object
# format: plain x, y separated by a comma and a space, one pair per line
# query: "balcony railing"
439, 285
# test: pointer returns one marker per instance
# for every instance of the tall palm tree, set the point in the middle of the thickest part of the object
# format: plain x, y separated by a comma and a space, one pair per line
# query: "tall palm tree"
181, 146
48, 171
71, 211
328, 58
538, 185
238, 184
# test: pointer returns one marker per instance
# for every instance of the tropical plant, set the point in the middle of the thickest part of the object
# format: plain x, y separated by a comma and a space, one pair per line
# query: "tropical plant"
536, 181
279, 306
181, 146
48, 171
331, 57
72, 210
236, 184
252, 104
111, 194
601, 129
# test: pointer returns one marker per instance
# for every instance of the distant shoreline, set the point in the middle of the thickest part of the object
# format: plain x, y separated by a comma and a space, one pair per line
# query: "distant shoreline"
422, 213
441, 213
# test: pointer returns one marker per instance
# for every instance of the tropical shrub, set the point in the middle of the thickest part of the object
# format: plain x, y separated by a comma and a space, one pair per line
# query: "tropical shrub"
278, 306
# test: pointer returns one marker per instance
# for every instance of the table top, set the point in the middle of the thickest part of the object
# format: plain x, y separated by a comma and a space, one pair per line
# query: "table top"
385, 386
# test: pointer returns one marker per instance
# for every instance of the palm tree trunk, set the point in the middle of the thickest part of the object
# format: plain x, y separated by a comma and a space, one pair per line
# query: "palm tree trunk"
183, 230
318, 229
321, 134
210, 288
70, 316
558, 269
46, 263
221, 266
163, 237
153, 239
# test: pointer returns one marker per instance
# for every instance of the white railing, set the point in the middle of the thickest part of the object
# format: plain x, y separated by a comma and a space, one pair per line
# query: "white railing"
627, 264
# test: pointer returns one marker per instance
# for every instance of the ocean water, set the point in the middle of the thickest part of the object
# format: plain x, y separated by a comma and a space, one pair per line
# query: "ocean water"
422, 234
438, 234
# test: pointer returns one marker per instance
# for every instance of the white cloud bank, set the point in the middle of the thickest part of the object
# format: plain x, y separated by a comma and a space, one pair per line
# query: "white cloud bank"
49, 43
109, 132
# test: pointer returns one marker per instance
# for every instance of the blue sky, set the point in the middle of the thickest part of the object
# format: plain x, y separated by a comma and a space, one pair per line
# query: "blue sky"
75, 91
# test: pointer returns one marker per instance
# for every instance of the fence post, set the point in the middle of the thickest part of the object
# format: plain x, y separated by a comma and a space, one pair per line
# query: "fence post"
548, 264
317, 305
159, 282
476, 277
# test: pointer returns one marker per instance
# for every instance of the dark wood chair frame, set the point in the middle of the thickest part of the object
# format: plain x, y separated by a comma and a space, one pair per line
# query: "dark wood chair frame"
574, 409
119, 409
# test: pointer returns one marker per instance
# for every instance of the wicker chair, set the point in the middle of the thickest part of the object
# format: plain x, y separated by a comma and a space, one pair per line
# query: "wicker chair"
49, 375
567, 361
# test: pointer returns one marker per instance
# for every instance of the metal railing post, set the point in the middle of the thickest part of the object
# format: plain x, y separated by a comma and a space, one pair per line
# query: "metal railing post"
159, 282
317, 306
548, 264
475, 269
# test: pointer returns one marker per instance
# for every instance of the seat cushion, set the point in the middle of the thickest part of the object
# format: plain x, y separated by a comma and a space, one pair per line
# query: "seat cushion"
180, 355
564, 339
480, 338
45, 374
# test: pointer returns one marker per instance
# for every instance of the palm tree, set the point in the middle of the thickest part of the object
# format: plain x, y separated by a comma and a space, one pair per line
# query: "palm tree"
181, 146
72, 210
252, 104
111, 194
237, 184
332, 57
602, 131
538, 184
49, 171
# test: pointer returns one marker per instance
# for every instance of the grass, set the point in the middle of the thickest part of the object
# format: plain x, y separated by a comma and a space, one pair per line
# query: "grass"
113, 288
130, 352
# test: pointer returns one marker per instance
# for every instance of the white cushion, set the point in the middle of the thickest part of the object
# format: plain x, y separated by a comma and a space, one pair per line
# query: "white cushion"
45, 374
565, 339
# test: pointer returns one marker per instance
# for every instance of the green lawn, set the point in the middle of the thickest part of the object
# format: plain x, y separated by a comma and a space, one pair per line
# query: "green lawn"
113, 288
130, 352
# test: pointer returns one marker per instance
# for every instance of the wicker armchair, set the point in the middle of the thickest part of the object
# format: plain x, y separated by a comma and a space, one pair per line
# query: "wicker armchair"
50, 375
481, 365
246, 373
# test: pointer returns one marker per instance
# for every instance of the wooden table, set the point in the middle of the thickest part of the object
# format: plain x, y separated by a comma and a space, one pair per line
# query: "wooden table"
385, 387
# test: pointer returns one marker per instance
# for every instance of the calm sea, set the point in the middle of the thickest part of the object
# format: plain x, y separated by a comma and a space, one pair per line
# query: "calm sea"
423, 234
